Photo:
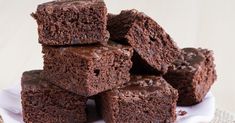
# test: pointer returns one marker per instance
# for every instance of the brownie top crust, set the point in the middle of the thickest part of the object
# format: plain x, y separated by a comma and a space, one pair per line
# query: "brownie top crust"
143, 86
190, 59
94, 51
70, 4
127, 21
130, 17
32, 80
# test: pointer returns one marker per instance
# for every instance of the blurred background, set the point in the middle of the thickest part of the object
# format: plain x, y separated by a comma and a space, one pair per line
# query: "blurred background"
191, 23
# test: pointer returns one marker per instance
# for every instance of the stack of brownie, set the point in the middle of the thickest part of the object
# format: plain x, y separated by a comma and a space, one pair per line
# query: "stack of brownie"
127, 63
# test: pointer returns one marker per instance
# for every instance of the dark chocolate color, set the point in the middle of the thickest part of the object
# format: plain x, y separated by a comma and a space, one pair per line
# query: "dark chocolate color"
87, 70
181, 113
155, 50
70, 22
145, 99
43, 102
193, 74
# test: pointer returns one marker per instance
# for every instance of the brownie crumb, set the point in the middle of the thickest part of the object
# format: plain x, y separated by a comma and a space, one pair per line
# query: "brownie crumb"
181, 113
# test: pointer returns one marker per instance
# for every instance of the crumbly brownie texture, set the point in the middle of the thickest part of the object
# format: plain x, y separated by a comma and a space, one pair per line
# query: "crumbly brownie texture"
145, 99
43, 102
88, 70
69, 22
154, 48
192, 74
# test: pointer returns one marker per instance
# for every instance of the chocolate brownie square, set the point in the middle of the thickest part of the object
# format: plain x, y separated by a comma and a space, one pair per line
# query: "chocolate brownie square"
69, 22
87, 70
44, 102
154, 48
145, 99
193, 75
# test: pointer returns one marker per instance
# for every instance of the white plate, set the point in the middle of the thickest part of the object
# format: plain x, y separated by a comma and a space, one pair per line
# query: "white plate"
10, 108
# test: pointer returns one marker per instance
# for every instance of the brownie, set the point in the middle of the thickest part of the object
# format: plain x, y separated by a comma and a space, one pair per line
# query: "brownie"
193, 75
44, 102
70, 22
145, 99
154, 48
87, 70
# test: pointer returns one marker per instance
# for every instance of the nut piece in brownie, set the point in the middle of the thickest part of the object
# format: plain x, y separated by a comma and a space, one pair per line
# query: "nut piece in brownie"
154, 48
69, 22
43, 102
192, 74
88, 70
147, 99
